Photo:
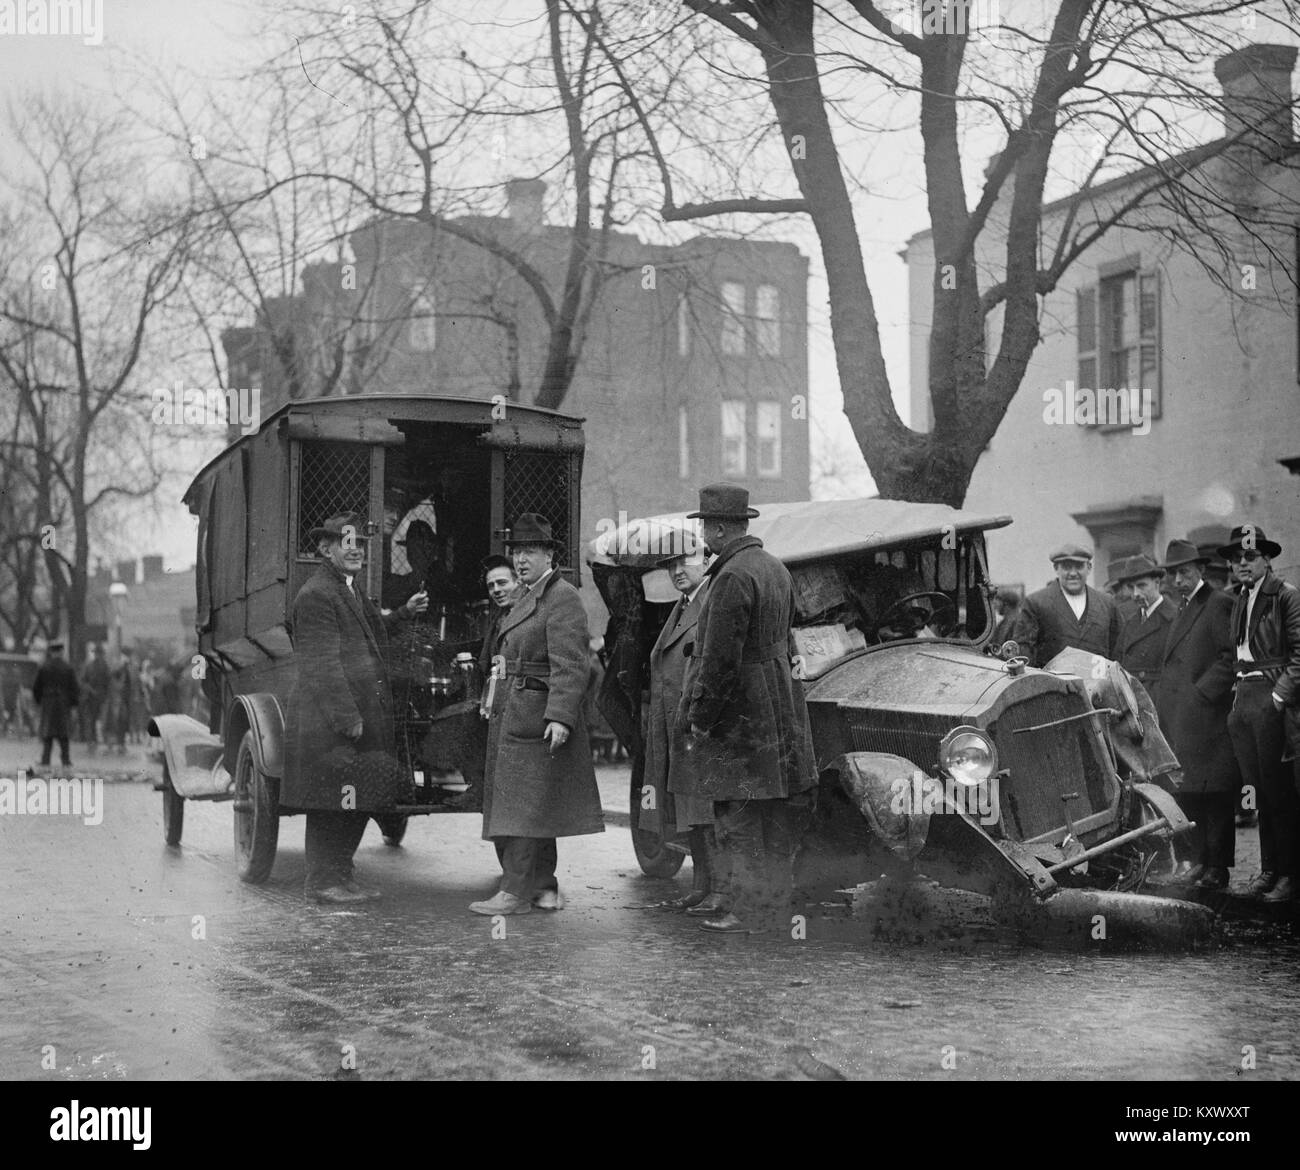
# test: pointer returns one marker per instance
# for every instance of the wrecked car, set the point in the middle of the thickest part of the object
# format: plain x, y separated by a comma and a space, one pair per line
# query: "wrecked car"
939, 753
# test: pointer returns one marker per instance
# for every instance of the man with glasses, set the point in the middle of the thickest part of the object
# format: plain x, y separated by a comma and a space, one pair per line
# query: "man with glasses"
1068, 612
1266, 632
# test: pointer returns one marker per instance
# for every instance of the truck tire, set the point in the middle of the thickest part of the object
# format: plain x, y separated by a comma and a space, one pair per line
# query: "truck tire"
652, 855
173, 810
257, 815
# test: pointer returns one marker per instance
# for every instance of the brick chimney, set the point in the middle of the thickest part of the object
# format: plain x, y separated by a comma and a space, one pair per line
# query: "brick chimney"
1257, 95
524, 203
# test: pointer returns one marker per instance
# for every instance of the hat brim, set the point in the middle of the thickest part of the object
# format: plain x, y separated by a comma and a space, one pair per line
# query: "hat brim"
538, 541
1196, 560
747, 514
1157, 572
1267, 548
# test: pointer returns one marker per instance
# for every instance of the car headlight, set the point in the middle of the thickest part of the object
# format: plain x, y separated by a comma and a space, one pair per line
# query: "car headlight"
968, 755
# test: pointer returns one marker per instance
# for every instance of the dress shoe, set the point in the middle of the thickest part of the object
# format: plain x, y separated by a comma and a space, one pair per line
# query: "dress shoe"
1214, 878
337, 896
368, 892
501, 903
1191, 874
1260, 884
548, 900
1283, 890
729, 924
687, 902
710, 906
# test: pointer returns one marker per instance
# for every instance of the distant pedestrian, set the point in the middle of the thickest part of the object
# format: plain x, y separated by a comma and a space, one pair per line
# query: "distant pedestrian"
1068, 612
94, 694
123, 701
746, 714
1193, 700
1265, 719
56, 693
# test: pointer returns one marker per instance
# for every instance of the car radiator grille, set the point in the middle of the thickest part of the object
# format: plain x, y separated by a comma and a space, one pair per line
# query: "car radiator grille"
1045, 765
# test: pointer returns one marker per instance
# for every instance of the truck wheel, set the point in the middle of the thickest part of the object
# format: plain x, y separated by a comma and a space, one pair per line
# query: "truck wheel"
257, 815
173, 810
652, 855
393, 829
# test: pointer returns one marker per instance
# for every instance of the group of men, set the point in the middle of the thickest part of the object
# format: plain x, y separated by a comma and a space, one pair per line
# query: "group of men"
1224, 673
730, 752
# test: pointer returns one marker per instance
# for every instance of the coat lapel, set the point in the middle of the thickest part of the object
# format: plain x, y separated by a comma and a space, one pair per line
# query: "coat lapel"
681, 621
525, 607
1183, 623
352, 601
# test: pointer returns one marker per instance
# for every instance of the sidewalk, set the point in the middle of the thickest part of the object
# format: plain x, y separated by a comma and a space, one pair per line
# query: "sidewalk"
21, 753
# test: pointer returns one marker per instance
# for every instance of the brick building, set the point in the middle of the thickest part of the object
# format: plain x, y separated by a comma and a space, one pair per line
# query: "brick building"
1221, 440
695, 365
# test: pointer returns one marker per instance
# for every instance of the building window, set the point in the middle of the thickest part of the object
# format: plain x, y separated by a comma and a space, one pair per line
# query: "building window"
733, 318
1118, 330
683, 443
769, 439
733, 437
422, 329
767, 319
683, 327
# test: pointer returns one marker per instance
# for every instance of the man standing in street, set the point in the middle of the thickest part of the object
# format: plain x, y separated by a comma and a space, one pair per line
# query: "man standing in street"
1067, 612
746, 714
1193, 701
56, 693
1142, 635
540, 782
340, 744
677, 805
1266, 633
94, 682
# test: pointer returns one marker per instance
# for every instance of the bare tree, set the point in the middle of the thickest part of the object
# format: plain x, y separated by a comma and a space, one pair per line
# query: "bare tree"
1115, 79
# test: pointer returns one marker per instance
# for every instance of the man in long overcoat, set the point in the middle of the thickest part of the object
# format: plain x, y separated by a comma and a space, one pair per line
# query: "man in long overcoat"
56, 692
94, 691
677, 805
746, 714
1193, 701
540, 782
340, 746
1265, 719
1142, 635
1069, 612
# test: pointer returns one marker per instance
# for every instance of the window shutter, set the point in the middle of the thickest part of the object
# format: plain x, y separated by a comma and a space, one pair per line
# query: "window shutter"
1086, 331
1149, 366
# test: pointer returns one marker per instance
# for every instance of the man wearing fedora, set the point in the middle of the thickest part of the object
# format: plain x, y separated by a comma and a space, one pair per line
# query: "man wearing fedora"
1265, 625
678, 805
340, 742
1142, 633
540, 782
1193, 701
57, 693
746, 714
1068, 612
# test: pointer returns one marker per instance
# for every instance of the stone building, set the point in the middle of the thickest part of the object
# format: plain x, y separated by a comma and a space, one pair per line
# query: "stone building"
1215, 438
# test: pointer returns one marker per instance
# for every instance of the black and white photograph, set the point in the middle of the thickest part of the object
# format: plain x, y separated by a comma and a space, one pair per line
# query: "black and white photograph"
651, 540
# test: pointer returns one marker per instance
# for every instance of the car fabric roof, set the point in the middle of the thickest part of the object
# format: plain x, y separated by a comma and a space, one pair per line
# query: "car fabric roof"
804, 530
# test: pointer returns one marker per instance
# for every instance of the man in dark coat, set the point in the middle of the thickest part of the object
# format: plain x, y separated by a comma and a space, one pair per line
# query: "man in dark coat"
1193, 701
1265, 719
540, 782
1143, 631
1068, 612
94, 692
746, 714
56, 693
677, 805
340, 758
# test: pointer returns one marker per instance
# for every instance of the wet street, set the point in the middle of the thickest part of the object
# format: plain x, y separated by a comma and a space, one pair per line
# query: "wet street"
121, 958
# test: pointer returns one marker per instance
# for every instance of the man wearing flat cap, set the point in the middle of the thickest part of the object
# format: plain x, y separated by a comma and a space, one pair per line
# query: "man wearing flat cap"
1193, 701
1143, 631
540, 782
746, 714
57, 693
677, 805
340, 741
1068, 612
1265, 719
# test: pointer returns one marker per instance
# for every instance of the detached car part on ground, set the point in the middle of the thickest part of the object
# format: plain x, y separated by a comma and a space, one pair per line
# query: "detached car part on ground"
938, 755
